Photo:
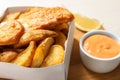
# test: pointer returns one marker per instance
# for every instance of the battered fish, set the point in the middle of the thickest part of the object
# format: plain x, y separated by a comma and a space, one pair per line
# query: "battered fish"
34, 35
8, 56
45, 18
11, 16
10, 32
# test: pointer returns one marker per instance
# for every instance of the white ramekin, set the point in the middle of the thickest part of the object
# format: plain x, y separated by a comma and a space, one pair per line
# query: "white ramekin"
95, 64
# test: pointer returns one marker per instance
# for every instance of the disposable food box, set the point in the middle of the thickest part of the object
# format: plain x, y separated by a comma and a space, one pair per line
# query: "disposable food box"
57, 72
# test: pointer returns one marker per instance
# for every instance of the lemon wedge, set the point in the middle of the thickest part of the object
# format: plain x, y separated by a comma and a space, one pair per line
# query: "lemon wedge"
86, 24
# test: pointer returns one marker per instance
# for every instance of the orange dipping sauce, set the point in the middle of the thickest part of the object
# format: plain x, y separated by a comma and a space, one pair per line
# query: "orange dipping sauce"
101, 46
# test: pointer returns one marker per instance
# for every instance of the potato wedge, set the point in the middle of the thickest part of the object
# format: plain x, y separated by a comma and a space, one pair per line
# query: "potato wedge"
8, 56
63, 26
46, 45
42, 51
60, 39
26, 56
55, 56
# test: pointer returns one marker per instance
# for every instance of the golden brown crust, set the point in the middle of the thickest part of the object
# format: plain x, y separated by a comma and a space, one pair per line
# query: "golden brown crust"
46, 17
10, 32
55, 56
11, 16
8, 56
60, 39
44, 28
34, 35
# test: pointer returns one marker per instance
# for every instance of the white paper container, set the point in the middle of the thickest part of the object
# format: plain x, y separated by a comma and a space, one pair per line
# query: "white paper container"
58, 72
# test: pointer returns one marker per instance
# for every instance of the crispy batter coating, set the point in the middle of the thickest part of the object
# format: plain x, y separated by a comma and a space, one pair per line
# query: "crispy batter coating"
10, 32
19, 33
11, 16
8, 56
34, 35
46, 17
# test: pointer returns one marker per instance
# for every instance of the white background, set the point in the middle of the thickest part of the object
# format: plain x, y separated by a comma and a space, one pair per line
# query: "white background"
106, 11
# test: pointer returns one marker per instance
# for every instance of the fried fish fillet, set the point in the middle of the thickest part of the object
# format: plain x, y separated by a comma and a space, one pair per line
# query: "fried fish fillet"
10, 32
45, 17
30, 11
8, 56
11, 16
34, 35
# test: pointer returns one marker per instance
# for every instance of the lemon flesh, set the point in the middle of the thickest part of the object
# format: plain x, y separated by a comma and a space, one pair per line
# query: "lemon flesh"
86, 24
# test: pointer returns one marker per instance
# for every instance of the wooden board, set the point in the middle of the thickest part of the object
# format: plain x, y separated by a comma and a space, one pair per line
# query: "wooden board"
77, 71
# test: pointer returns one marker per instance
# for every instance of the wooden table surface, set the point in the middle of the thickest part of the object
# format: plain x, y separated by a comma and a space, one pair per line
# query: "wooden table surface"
78, 72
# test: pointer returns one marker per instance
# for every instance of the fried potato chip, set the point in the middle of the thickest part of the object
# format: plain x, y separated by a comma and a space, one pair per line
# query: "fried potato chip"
60, 39
25, 57
55, 56
42, 51
8, 56
11, 16
34, 35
